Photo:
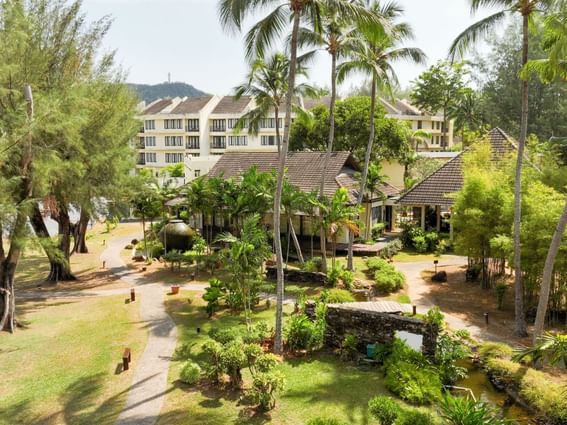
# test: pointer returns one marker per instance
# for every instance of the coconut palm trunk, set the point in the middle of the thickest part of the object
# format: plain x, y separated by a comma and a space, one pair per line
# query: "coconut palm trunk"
278, 341
277, 116
548, 274
330, 142
520, 322
350, 263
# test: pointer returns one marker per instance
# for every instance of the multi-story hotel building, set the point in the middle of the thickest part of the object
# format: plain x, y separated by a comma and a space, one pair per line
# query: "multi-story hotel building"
433, 124
195, 131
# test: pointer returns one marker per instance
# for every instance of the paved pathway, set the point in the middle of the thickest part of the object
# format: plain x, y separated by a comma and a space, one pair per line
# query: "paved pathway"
418, 290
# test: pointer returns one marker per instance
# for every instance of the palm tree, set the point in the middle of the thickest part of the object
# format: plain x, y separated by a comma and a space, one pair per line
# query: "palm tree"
198, 198
259, 39
267, 82
374, 180
549, 69
293, 200
338, 215
372, 53
527, 9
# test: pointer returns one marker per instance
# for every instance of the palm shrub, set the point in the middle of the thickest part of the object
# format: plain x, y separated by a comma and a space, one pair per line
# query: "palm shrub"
190, 373
550, 347
385, 409
213, 294
301, 333
466, 411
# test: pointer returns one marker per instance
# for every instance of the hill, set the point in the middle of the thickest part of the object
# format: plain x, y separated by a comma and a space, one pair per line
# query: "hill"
149, 93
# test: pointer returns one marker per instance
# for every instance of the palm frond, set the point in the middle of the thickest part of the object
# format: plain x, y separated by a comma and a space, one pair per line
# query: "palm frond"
264, 34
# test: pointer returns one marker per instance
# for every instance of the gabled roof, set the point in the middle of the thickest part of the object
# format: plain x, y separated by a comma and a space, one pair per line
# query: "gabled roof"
229, 105
304, 169
157, 106
310, 103
448, 179
192, 105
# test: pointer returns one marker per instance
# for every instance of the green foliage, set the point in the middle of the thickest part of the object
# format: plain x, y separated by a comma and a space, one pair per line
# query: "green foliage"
338, 274
385, 409
420, 244
391, 248
336, 296
416, 417
154, 248
213, 294
190, 373
409, 233
388, 279
466, 411
435, 317
416, 386
313, 265
489, 350
320, 420
301, 333
233, 358
265, 385
551, 348
349, 350
215, 367
448, 351
378, 230
375, 264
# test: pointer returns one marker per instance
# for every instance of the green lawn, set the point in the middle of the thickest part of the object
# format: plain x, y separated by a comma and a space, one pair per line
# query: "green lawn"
318, 384
60, 369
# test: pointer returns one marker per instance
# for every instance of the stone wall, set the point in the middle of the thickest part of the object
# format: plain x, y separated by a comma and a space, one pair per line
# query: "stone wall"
371, 327
301, 276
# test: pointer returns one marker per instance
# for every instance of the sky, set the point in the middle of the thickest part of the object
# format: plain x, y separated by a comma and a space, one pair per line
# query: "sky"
154, 38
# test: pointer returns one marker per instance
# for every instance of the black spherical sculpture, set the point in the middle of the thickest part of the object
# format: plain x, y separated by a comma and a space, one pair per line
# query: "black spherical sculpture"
176, 235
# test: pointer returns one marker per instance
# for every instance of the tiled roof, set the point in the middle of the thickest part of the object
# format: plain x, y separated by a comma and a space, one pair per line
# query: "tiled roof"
229, 105
157, 107
309, 102
434, 190
304, 169
191, 105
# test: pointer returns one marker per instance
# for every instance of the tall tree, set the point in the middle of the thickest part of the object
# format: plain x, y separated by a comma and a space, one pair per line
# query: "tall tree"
374, 182
549, 69
527, 9
373, 53
259, 39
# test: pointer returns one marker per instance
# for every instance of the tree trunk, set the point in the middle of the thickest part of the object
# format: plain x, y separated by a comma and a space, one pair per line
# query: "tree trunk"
60, 268
295, 240
520, 322
80, 234
277, 115
350, 263
278, 342
548, 274
330, 142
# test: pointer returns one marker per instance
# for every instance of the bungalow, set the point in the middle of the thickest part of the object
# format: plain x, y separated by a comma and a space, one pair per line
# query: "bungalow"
428, 204
304, 170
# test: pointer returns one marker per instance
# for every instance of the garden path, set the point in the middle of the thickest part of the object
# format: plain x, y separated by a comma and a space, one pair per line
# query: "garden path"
418, 290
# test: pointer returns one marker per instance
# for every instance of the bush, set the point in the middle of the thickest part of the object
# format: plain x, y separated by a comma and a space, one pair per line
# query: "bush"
420, 244
302, 334
349, 350
191, 373
432, 239
417, 386
435, 317
258, 333
324, 421
334, 275
388, 279
225, 335
233, 359
409, 233
491, 350
337, 296
155, 248
378, 230
315, 264
465, 411
391, 248
376, 263
215, 368
348, 278
385, 409
449, 350
416, 417
265, 385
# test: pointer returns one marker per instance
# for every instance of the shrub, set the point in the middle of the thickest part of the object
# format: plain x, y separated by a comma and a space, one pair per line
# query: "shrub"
338, 296
225, 335
417, 386
376, 263
416, 417
155, 248
490, 350
449, 350
266, 362
465, 411
348, 278
215, 368
315, 264
258, 333
435, 317
233, 359
338, 274
420, 244
409, 233
191, 373
432, 239
349, 349
301, 333
385, 409
265, 385
391, 248
388, 279
324, 421
378, 230
213, 295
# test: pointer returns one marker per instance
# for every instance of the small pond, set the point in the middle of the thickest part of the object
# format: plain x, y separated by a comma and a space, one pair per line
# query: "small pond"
483, 390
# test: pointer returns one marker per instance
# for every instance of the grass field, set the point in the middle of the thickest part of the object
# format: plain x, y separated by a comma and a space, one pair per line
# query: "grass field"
61, 368
317, 385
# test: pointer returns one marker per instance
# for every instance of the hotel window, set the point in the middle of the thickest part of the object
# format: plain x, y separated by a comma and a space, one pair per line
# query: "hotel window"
419, 125
150, 141
218, 125
173, 158
197, 173
237, 140
193, 155
172, 124
192, 142
268, 123
192, 125
218, 142
150, 124
280, 121
173, 140
269, 140
151, 157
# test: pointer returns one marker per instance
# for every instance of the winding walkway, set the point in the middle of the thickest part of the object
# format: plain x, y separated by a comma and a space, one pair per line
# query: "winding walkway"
418, 290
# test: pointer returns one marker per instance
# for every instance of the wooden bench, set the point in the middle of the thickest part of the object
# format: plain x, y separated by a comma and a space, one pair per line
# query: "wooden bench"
126, 359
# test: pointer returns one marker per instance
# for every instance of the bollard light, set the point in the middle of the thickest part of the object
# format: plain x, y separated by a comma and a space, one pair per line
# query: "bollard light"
435, 262
486, 319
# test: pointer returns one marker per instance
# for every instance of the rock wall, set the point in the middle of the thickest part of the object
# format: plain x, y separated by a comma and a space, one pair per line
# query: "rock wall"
294, 275
371, 327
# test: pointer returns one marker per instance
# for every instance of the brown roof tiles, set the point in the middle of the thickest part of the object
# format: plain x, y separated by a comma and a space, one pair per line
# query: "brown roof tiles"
192, 105
157, 107
229, 105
